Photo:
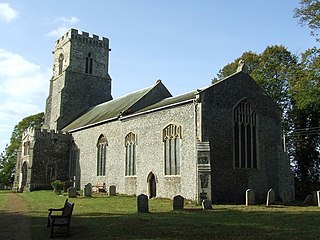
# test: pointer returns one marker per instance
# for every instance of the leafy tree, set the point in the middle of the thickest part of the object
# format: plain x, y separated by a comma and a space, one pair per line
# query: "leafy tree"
9, 157
309, 14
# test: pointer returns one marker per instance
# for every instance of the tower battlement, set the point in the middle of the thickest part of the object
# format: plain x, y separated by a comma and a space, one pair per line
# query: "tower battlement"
83, 38
51, 134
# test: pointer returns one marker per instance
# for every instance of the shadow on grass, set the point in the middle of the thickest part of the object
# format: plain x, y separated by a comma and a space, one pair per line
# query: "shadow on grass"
221, 224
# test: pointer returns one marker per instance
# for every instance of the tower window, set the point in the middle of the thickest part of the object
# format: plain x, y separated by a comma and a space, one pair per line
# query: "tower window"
101, 155
245, 135
89, 63
61, 57
130, 144
172, 140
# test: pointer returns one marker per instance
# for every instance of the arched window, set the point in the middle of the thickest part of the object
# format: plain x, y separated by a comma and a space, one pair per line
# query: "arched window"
245, 135
26, 148
172, 140
101, 155
130, 144
89, 64
61, 57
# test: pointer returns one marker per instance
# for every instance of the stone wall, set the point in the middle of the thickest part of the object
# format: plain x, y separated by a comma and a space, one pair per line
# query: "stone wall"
228, 183
149, 153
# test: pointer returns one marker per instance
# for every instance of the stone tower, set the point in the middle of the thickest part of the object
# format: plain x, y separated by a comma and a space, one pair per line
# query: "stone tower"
80, 78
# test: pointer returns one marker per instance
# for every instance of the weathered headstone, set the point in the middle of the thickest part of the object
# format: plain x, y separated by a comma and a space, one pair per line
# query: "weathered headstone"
72, 192
250, 197
206, 204
308, 199
286, 197
87, 191
112, 190
314, 198
271, 197
142, 203
318, 197
178, 202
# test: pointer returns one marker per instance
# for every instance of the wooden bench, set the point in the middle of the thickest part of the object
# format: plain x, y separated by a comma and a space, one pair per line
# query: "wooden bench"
61, 221
101, 186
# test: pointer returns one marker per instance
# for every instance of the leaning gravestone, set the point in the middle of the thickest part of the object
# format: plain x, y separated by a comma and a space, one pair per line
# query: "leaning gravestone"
308, 199
142, 203
87, 191
72, 192
178, 202
112, 190
250, 197
271, 197
206, 204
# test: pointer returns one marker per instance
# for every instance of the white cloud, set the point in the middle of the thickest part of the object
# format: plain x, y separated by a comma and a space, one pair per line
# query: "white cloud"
65, 25
7, 14
23, 88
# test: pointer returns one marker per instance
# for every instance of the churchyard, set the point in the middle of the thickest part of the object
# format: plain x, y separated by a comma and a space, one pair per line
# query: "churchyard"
116, 217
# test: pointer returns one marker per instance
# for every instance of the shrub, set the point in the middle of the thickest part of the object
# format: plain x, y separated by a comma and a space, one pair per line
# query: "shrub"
57, 186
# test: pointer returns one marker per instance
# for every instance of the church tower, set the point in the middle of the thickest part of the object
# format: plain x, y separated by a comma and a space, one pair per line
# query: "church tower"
80, 78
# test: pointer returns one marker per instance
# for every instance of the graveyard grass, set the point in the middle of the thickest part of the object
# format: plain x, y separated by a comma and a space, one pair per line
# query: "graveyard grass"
116, 217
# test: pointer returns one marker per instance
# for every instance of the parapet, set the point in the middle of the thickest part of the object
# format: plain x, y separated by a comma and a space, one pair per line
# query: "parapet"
83, 38
51, 134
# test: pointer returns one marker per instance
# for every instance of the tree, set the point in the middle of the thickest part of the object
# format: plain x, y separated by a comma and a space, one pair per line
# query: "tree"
8, 158
309, 14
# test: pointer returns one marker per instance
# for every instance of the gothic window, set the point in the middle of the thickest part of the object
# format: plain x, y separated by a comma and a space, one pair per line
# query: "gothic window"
101, 155
26, 148
245, 135
172, 140
89, 64
130, 144
61, 57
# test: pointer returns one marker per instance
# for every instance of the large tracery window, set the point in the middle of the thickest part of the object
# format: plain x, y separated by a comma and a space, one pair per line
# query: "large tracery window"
89, 63
101, 155
130, 144
245, 135
172, 141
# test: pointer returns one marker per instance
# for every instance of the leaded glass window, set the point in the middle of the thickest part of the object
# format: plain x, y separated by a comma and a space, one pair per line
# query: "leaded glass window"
172, 144
101, 155
130, 144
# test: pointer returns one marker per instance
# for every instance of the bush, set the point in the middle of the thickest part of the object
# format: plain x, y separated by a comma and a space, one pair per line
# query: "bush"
57, 186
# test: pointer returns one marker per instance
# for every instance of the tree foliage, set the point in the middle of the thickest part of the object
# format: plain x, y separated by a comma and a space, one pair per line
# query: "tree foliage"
8, 158
309, 14
294, 84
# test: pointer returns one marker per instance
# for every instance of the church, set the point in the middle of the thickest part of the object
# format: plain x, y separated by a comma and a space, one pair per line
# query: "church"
211, 143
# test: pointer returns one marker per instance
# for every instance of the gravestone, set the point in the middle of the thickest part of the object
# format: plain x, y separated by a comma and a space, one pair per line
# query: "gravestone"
142, 203
72, 192
250, 197
87, 191
314, 197
206, 204
318, 197
286, 197
178, 202
271, 197
112, 190
308, 199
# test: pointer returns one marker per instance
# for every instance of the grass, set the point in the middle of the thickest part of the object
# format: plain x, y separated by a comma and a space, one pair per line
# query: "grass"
104, 217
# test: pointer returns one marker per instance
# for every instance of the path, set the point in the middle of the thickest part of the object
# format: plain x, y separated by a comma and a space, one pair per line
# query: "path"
14, 222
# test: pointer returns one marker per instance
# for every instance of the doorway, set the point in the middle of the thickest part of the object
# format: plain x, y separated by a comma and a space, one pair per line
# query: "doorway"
152, 185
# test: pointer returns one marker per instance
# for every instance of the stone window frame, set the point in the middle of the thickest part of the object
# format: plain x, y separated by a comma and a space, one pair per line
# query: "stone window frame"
245, 135
89, 64
171, 137
26, 148
130, 155
102, 144
60, 65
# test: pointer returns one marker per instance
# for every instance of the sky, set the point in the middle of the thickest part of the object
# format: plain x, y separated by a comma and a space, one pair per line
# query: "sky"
182, 42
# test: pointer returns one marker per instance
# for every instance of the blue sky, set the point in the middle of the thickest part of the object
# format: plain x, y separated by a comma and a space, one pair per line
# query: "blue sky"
182, 42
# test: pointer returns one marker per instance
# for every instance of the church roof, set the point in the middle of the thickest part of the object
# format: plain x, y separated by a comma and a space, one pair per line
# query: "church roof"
123, 105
